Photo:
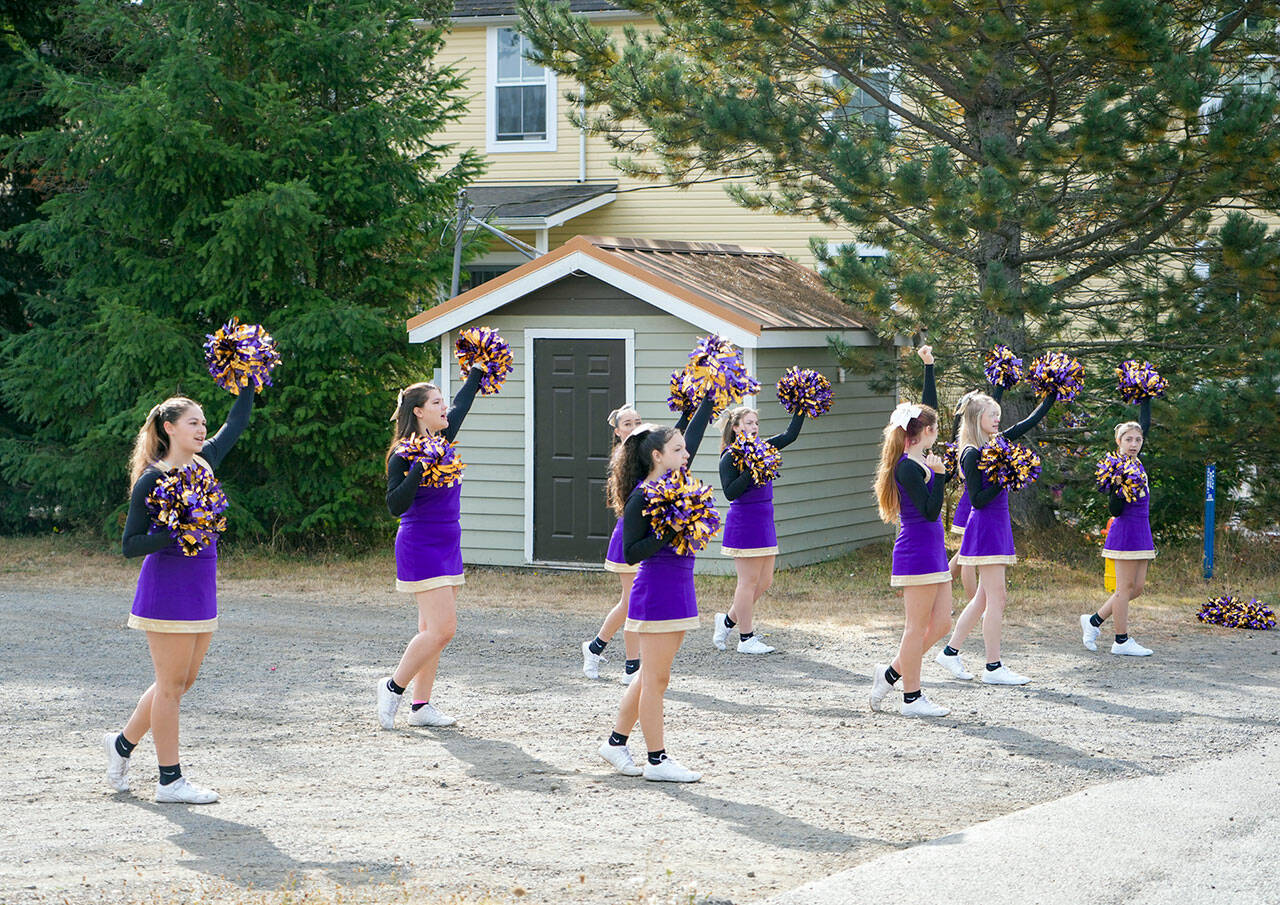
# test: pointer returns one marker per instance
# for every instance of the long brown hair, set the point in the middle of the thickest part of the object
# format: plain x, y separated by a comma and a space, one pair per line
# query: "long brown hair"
411, 397
632, 460
152, 443
732, 419
891, 450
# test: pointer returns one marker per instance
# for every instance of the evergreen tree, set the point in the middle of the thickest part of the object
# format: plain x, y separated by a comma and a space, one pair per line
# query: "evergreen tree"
276, 161
1048, 174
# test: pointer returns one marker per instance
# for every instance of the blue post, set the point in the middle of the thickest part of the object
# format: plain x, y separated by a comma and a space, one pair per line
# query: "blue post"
1210, 480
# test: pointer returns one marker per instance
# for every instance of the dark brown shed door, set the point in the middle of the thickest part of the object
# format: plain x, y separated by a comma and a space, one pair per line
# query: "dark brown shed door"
576, 383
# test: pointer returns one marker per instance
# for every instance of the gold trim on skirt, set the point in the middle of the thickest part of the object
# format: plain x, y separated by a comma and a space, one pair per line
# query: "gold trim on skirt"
173, 626
911, 581
741, 553
430, 584
621, 568
655, 626
1001, 559
1128, 554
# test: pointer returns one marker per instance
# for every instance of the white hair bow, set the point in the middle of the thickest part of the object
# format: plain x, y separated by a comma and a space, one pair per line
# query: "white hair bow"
903, 414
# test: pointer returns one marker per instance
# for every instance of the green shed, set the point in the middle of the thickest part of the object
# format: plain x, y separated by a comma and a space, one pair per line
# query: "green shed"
603, 321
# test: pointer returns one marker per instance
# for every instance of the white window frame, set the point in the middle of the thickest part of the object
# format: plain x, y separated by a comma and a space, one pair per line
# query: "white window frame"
492, 145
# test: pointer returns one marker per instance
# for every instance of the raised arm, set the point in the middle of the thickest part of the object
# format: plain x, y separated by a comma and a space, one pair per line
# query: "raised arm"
462, 402
215, 449
788, 436
1144, 419
929, 396
927, 499
698, 426
138, 541
402, 484
1031, 420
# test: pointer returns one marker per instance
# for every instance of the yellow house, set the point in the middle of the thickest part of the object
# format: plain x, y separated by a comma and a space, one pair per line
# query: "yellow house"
547, 181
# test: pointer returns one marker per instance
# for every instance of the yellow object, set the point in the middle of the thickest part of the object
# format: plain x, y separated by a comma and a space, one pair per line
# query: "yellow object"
1109, 575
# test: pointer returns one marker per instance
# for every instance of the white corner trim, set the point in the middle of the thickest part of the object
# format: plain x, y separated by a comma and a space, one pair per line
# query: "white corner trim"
491, 143
447, 364
530, 334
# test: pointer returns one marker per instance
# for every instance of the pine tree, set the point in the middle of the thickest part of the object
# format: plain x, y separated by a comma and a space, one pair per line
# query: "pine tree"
276, 161
1047, 174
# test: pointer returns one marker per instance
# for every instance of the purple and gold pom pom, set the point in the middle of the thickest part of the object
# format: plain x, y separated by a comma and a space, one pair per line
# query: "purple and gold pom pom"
240, 355
1121, 474
1235, 613
681, 504
1057, 374
189, 503
1007, 464
757, 457
1075, 420
483, 346
805, 390
683, 393
715, 367
950, 460
1139, 381
441, 466
1003, 368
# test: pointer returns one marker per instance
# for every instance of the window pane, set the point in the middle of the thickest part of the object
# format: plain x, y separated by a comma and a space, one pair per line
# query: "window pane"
509, 45
509, 114
529, 72
535, 111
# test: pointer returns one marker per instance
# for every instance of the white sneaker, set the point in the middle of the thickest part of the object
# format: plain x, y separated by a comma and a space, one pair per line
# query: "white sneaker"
427, 715
117, 766
591, 662
922, 706
669, 771
620, 757
880, 686
1130, 648
720, 633
1089, 633
182, 792
1003, 676
953, 666
629, 677
388, 704
754, 645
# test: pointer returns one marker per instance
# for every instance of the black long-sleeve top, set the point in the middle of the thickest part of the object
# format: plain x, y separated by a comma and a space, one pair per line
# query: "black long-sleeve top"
979, 495
402, 478
926, 497
1116, 501
736, 482
138, 541
639, 541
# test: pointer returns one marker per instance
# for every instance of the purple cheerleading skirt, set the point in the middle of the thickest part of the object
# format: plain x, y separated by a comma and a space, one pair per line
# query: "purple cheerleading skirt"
429, 542
961, 517
988, 536
1130, 534
177, 594
663, 597
748, 526
615, 560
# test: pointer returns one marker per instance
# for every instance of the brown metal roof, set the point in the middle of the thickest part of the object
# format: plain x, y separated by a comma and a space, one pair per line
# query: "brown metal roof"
758, 283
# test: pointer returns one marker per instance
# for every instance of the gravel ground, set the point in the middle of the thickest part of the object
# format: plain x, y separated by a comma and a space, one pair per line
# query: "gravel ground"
800, 780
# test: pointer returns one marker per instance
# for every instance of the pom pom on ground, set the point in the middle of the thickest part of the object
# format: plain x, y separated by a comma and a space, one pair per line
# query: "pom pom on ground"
1233, 612
758, 457
189, 503
804, 389
1121, 474
240, 355
1057, 374
441, 465
1009, 465
1003, 368
715, 367
1139, 381
484, 347
681, 504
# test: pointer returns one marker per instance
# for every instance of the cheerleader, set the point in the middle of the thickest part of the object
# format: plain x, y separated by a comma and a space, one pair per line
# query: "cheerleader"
910, 484
428, 547
988, 538
1128, 545
967, 574
749, 533
663, 604
176, 602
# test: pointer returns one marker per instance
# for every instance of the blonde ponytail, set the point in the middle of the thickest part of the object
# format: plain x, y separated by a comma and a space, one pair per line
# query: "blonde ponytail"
152, 443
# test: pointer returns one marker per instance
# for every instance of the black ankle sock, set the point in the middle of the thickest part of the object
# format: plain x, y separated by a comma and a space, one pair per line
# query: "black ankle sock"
170, 774
393, 687
728, 623
1096, 621
992, 667
891, 675
617, 739
745, 635
597, 646
950, 651
909, 696
418, 705
1121, 639
124, 747
655, 757
632, 666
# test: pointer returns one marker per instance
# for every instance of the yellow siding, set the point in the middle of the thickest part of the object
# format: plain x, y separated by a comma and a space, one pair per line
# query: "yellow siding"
701, 213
